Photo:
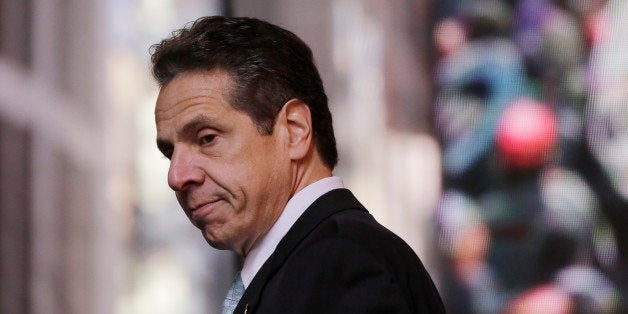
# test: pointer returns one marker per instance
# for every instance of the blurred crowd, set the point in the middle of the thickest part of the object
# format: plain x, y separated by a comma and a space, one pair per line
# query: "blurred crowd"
534, 133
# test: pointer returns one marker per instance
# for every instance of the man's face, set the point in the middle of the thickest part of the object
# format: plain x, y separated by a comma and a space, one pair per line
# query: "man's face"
231, 181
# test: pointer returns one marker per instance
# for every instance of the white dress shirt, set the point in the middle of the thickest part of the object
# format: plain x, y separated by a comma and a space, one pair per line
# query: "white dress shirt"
294, 209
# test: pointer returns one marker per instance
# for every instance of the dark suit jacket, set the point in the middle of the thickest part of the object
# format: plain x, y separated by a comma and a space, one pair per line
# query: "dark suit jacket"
338, 259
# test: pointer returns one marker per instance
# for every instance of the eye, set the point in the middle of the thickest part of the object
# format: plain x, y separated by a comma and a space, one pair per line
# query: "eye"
165, 148
206, 139
167, 154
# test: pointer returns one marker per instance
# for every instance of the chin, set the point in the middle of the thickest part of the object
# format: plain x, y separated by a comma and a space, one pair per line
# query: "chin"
214, 242
218, 246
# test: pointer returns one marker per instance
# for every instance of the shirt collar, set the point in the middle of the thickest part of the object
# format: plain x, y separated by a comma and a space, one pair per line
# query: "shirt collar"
295, 207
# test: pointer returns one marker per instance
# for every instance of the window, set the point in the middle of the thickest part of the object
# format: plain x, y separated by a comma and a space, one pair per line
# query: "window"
15, 210
15, 30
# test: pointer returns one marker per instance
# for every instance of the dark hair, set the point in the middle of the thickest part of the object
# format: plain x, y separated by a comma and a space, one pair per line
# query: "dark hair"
269, 66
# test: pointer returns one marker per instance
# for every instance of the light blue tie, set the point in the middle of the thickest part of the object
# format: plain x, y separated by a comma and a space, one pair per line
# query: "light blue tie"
233, 295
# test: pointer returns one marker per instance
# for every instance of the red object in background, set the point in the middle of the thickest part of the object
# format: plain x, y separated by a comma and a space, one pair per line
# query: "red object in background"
526, 134
546, 299
596, 28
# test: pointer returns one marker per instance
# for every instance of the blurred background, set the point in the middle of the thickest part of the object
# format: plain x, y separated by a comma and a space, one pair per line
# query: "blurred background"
492, 135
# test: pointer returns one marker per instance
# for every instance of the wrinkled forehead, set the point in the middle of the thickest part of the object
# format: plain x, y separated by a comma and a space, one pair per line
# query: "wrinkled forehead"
190, 89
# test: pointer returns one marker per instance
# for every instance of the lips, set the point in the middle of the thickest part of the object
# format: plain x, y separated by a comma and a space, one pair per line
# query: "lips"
198, 212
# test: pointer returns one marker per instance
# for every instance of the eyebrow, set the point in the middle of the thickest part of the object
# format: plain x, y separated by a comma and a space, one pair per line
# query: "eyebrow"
198, 121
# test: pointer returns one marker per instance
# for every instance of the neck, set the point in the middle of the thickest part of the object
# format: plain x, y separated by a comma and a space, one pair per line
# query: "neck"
304, 172
307, 171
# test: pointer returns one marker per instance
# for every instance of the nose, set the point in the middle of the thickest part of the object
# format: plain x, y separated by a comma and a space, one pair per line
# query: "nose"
184, 170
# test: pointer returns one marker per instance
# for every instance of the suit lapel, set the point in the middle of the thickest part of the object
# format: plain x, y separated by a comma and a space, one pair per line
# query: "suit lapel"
325, 206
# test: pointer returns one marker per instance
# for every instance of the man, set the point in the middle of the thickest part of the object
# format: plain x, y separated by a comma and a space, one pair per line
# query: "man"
243, 118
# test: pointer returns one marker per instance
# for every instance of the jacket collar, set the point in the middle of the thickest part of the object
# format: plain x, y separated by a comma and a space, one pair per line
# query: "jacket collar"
327, 205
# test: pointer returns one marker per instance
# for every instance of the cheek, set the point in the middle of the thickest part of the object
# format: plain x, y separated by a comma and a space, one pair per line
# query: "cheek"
253, 175
255, 187
246, 174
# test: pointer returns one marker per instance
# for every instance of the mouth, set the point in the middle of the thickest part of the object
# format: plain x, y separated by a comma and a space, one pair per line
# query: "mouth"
199, 212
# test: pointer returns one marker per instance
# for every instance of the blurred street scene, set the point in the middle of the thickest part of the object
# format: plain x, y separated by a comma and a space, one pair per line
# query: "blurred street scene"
531, 112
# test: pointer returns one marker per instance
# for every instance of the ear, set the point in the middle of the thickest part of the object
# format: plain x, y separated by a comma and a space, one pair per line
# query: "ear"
299, 127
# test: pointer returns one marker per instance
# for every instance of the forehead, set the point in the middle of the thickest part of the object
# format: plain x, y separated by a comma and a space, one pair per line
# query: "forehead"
191, 91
